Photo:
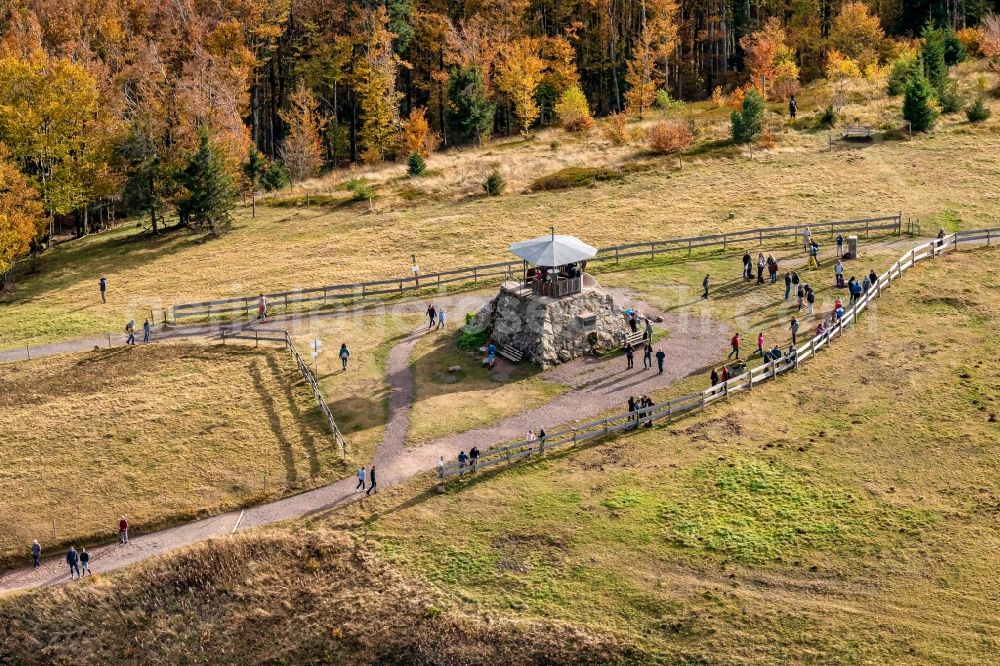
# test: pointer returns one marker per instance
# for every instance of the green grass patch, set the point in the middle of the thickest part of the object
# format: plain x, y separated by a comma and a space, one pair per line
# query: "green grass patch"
575, 177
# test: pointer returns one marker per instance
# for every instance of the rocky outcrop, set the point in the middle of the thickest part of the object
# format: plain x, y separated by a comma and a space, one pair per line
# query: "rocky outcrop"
553, 330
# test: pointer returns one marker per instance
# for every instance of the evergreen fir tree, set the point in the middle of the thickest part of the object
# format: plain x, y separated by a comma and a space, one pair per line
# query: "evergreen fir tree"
918, 105
208, 189
495, 183
472, 114
415, 164
978, 111
254, 169
748, 124
948, 98
932, 54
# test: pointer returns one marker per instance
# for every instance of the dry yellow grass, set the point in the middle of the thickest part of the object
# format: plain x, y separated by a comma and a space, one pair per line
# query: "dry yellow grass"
941, 178
446, 403
160, 433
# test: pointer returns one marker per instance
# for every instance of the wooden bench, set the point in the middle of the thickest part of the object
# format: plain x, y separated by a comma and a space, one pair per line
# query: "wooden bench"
856, 131
512, 354
635, 339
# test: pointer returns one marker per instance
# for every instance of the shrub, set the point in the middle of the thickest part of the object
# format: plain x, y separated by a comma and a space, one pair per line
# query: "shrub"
670, 136
718, 99
472, 338
663, 101
948, 99
495, 183
735, 100
748, 123
827, 119
971, 39
573, 111
418, 137
360, 189
275, 177
554, 145
615, 129
918, 105
415, 164
574, 177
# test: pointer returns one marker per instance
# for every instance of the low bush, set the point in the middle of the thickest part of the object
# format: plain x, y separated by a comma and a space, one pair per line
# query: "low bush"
827, 119
574, 177
472, 339
360, 189
275, 177
415, 164
978, 111
670, 136
948, 99
573, 110
495, 183
615, 129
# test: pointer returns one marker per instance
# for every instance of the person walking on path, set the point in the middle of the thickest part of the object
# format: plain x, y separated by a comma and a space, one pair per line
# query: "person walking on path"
838, 272
629, 353
647, 356
793, 107
103, 284
362, 473
813, 255
371, 481
631, 407
704, 286
760, 343
36, 553
873, 278
73, 559
262, 307
788, 284
462, 459
85, 562
735, 344
660, 357
810, 299
147, 329
840, 247
440, 319
122, 530
760, 268
130, 329
714, 377
474, 456
431, 316
440, 470
344, 354
794, 328
530, 438
747, 261
647, 333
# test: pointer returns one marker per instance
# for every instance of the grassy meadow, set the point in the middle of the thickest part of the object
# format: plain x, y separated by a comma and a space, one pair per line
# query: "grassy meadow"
843, 514
441, 218
162, 433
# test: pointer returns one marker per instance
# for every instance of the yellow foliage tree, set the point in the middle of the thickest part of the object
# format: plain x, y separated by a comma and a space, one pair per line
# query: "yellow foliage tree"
857, 34
659, 31
302, 149
518, 77
375, 83
21, 216
418, 137
573, 110
839, 67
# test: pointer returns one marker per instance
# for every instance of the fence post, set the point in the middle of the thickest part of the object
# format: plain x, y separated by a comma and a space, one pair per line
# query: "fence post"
868, 225
987, 238
689, 247
605, 426
109, 339
223, 336
256, 338
27, 351
760, 237
475, 274
723, 241
574, 435
670, 411
899, 223
616, 255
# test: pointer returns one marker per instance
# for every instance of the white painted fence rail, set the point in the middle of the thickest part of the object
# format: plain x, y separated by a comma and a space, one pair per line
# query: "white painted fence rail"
667, 411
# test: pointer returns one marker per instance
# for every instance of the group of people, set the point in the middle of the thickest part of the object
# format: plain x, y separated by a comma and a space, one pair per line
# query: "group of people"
78, 560
771, 264
647, 356
636, 405
435, 317
147, 331
369, 474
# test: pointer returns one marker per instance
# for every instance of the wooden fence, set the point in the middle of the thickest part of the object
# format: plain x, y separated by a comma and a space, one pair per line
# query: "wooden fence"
317, 297
270, 335
671, 409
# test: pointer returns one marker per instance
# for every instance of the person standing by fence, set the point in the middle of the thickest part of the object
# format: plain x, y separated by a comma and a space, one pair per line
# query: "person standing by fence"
344, 354
146, 330
262, 307
36, 553
474, 456
714, 377
806, 237
747, 261
362, 473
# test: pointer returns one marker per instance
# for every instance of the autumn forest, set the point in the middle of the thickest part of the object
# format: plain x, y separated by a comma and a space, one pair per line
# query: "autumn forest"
165, 106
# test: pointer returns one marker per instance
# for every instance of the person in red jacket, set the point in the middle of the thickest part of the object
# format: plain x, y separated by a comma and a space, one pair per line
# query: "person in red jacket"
123, 530
735, 344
